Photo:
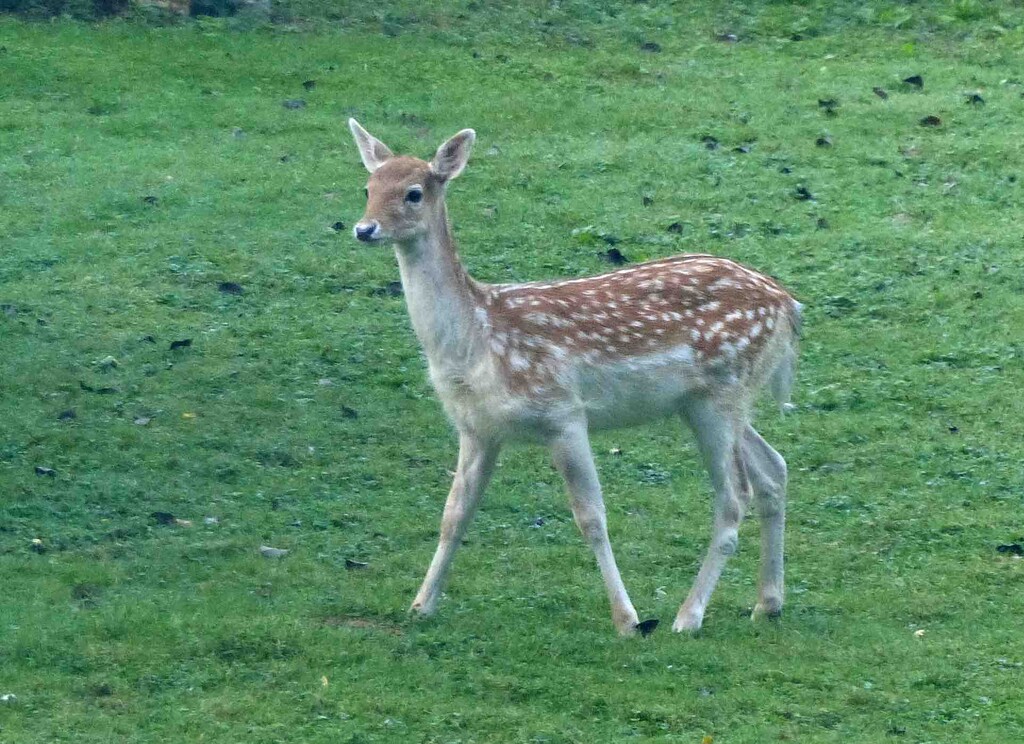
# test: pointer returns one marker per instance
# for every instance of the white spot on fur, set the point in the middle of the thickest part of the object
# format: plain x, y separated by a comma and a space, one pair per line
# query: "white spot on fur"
518, 362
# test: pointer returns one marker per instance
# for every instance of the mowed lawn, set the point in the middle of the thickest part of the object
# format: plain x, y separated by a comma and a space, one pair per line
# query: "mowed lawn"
197, 360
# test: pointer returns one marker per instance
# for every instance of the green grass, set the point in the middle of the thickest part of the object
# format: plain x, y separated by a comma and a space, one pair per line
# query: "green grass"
300, 416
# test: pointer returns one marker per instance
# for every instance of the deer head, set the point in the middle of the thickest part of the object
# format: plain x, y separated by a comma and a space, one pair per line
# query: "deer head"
405, 195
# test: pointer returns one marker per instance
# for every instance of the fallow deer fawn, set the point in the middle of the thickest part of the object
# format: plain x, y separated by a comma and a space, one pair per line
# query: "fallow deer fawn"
692, 335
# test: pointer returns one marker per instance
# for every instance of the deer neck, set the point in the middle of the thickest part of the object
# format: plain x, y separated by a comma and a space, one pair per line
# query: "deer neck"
441, 297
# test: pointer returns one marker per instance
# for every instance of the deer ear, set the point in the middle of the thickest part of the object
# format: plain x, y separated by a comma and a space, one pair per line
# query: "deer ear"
371, 150
451, 157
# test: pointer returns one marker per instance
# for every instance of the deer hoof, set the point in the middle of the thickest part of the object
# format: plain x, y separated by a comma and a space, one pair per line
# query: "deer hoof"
687, 623
768, 608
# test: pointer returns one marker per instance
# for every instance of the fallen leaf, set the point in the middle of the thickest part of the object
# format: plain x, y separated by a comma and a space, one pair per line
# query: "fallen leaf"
647, 626
880, 92
47, 472
102, 391
646, 200
294, 104
323, 681
829, 105
919, 633
675, 227
915, 80
391, 289
538, 522
650, 46
728, 38
710, 142
163, 517
268, 552
183, 522
211, 521
181, 344
188, 415
67, 415
931, 121
1011, 549
309, 84
975, 100
803, 194
142, 420
37, 546
823, 141
614, 256
742, 149
822, 223
232, 288
151, 200
352, 565
8, 697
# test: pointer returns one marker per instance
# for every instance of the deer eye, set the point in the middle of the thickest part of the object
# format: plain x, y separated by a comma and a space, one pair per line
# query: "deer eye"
414, 195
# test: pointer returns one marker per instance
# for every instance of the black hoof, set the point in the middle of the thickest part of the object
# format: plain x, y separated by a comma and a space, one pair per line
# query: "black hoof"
647, 626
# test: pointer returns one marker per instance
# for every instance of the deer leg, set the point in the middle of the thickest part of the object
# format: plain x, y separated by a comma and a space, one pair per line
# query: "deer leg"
573, 459
715, 430
476, 464
767, 472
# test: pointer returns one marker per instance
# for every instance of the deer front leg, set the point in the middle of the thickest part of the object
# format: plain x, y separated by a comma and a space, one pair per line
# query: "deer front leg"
476, 464
716, 436
573, 459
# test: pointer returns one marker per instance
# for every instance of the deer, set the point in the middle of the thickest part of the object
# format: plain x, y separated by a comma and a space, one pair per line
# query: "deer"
693, 336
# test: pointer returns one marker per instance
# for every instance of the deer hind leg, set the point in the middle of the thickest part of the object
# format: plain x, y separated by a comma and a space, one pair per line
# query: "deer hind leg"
573, 459
473, 472
767, 472
716, 429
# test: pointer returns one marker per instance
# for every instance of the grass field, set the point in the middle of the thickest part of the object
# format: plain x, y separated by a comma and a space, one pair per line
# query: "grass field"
156, 190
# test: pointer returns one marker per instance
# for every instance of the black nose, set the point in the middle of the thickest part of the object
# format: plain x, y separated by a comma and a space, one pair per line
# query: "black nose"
364, 232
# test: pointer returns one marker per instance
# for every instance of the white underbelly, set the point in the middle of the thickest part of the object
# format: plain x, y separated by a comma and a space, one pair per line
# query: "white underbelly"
632, 392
